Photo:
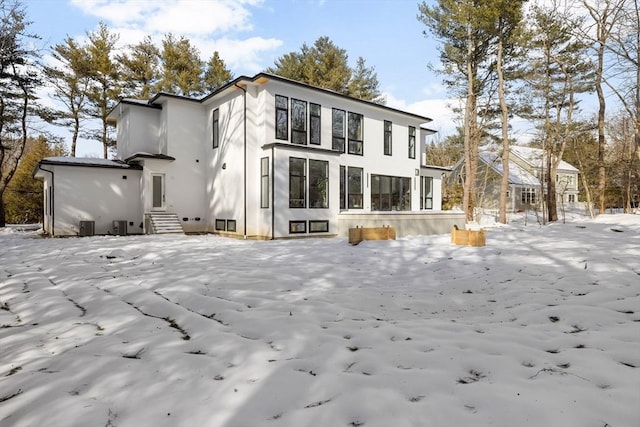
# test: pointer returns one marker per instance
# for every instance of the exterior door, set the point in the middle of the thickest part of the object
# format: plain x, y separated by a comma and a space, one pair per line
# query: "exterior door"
157, 192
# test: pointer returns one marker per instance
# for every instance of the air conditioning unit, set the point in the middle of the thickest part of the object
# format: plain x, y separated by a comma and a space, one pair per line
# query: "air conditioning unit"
87, 228
119, 227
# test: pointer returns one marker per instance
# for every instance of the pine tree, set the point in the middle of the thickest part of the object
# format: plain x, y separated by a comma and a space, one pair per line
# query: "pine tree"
140, 69
364, 83
181, 67
217, 74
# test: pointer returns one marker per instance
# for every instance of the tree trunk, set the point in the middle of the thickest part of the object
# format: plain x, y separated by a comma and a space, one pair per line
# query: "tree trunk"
504, 183
469, 179
3, 217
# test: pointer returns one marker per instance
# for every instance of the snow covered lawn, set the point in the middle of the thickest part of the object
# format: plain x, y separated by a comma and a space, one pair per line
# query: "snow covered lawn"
539, 328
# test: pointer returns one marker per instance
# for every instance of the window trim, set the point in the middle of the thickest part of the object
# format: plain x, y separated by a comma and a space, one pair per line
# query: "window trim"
231, 225
284, 137
220, 225
387, 140
295, 132
423, 196
326, 179
311, 121
349, 193
357, 143
264, 183
341, 138
215, 125
293, 229
412, 142
313, 222
303, 184
401, 183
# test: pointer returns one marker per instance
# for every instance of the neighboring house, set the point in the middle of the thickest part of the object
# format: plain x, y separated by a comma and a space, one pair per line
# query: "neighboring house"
526, 168
262, 157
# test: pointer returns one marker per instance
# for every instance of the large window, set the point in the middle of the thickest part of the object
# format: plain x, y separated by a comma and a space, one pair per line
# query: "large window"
387, 138
297, 182
343, 187
314, 123
355, 188
282, 117
529, 196
215, 125
264, 182
426, 192
355, 133
298, 122
390, 193
318, 184
338, 127
412, 142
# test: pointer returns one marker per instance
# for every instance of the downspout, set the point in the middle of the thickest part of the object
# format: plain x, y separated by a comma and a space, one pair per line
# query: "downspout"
273, 193
244, 178
51, 205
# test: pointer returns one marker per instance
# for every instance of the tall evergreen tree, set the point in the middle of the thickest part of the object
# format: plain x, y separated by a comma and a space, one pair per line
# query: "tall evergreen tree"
140, 69
326, 65
18, 85
181, 67
70, 79
216, 73
105, 82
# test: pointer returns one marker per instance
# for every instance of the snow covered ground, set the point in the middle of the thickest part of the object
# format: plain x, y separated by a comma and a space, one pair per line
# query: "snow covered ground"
541, 327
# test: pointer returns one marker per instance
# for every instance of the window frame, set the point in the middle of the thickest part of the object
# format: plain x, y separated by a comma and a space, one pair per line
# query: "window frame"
388, 138
343, 188
264, 182
285, 111
314, 186
412, 142
220, 225
399, 192
315, 126
323, 222
302, 178
338, 140
352, 195
426, 201
355, 134
293, 224
215, 128
298, 122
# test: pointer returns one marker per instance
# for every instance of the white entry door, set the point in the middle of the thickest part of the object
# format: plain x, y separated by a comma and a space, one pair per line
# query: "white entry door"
157, 191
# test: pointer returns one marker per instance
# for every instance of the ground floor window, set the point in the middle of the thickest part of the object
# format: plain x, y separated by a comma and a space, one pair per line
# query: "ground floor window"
426, 192
355, 188
264, 182
318, 226
318, 184
231, 225
296, 227
297, 182
343, 187
390, 193
220, 224
529, 196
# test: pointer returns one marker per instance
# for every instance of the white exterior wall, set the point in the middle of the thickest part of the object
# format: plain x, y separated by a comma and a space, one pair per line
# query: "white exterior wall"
184, 177
95, 194
137, 131
224, 165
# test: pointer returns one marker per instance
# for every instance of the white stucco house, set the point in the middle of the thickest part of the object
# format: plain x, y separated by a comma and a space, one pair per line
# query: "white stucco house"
262, 157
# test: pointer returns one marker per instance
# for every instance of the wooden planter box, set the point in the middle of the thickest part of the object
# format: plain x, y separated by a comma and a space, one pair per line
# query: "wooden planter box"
468, 237
358, 234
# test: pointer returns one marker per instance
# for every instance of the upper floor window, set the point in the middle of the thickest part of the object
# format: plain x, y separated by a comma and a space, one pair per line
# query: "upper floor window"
282, 117
412, 142
338, 126
215, 125
355, 133
298, 122
387, 138
314, 123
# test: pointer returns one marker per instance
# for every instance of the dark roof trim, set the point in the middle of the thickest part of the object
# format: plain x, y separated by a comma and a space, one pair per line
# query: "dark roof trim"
300, 148
443, 168
149, 156
139, 103
115, 165
268, 76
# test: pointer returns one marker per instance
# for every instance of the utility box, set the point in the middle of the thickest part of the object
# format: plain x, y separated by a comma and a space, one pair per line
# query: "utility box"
87, 228
119, 227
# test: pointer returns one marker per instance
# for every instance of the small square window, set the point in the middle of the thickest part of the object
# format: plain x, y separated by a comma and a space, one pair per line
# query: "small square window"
231, 225
220, 224
317, 226
296, 227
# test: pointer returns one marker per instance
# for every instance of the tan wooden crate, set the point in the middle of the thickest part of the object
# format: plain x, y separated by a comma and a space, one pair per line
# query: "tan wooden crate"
468, 237
358, 234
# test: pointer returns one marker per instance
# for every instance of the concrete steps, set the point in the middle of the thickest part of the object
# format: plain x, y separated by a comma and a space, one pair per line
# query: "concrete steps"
163, 223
